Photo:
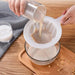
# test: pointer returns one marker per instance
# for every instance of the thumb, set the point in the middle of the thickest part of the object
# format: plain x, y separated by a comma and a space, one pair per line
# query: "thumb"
65, 18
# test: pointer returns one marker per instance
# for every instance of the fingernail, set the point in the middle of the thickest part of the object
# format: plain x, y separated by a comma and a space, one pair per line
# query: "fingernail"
18, 14
21, 13
64, 12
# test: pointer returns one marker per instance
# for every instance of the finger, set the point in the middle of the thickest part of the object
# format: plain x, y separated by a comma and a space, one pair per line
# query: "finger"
13, 5
17, 7
65, 12
68, 21
66, 16
22, 6
9, 1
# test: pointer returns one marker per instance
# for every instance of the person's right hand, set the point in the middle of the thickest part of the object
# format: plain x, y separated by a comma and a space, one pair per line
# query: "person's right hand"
17, 6
69, 16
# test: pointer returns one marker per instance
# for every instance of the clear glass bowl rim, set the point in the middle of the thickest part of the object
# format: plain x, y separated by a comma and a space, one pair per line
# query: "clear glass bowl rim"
43, 60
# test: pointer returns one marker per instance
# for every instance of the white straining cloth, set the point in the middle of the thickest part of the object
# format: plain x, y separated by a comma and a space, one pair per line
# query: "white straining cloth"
53, 26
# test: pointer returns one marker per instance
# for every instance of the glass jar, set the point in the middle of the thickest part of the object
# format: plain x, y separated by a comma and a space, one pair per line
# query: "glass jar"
34, 11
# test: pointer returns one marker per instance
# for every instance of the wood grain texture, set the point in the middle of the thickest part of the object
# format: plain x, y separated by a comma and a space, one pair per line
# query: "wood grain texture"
10, 65
63, 65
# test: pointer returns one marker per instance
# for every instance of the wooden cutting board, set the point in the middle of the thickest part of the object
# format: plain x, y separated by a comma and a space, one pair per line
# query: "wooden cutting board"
63, 65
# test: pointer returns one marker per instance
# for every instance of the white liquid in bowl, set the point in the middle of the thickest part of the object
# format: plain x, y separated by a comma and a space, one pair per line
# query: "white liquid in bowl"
6, 33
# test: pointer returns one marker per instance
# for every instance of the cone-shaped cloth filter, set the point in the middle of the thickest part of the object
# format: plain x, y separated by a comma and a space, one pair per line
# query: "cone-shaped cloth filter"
51, 33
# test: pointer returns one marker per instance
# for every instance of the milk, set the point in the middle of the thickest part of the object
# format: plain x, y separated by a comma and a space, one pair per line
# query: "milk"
43, 54
5, 33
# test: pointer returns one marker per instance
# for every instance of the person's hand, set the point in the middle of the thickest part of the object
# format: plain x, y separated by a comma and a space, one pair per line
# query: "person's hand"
17, 6
69, 16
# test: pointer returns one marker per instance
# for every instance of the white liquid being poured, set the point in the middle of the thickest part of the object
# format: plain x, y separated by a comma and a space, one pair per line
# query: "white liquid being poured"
5, 33
45, 54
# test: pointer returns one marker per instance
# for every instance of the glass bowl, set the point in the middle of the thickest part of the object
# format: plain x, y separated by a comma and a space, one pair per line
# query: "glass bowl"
6, 32
42, 56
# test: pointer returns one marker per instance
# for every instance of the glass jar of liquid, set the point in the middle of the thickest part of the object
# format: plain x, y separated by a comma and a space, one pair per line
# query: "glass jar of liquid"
34, 11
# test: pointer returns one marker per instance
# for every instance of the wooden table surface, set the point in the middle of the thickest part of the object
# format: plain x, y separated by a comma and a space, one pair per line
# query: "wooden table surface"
10, 65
